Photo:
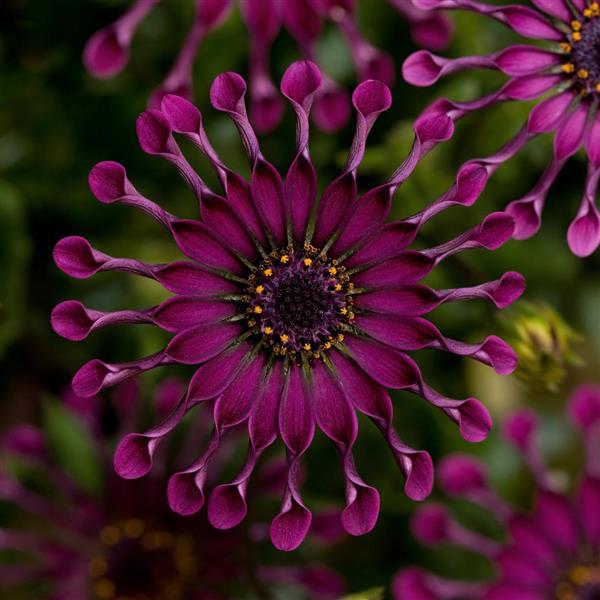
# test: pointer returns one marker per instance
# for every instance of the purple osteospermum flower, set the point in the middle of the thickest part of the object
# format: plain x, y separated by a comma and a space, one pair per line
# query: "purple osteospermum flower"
551, 552
124, 542
569, 69
297, 313
107, 51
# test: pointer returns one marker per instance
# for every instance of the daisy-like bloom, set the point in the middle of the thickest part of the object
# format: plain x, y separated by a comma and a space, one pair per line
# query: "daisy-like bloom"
550, 552
64, 542
295, 313
107, 51
567, 68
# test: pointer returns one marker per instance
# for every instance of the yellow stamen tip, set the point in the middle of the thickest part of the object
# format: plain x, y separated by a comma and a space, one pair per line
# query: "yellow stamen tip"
268, 272
340, 337
338, 287
284, 338
285, 259
306, 347
260, 289
332, 271
566, 47
257, 310
576, 36
568, 68
343, 310
598, 87
582, 74
575, 25
587, 13
268, 330
327, 345
110, 535
307, 262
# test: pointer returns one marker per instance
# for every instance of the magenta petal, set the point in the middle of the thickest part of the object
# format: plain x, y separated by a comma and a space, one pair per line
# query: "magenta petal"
226, 508
409, 267
183, 116
360, 516
133, 456
386, 243
104, 55
556, 509
371, 97
411, 583
335, 202
528, 88
202, 343
527, 218
422, 68
296, 418
267, 192
75, 257
188, 278
474, 421
70, 320
300, 80
460, 473
183, 312
184, 496
300, 194
525, 60
430, 523
584, 406
588, 500
227, 92
584, 232
555, 8
331, 109
154, 133
569, 135
530, 23
196, 241
289, 529
546, 115
108, 181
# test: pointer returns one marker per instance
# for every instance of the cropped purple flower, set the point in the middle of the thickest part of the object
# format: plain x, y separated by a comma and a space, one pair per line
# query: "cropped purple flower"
551, 551
124, 542
107, 51
568, 67
295, 313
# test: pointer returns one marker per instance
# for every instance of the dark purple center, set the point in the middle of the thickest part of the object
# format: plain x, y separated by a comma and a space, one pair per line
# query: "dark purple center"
585, 54
299, 302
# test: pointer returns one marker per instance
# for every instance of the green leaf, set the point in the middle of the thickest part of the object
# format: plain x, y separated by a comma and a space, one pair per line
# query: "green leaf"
375, 593
73, 447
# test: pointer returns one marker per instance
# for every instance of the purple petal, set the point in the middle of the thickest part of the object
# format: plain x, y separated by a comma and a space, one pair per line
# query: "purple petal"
267, 192
296, 418
584, 406
546, 115
526, 60
105, 54
460, 473
569, 135
336, 200
202, 343
300, 193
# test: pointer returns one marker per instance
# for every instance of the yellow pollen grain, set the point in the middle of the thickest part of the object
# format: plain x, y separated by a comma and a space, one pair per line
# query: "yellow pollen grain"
257, 310
597, 88
284, 338
268, 330
260, 289
568, 68
327, 345
595, 6
285, 259
340, 337
587, 13
332, 271
566, 48
575, 25
338, 287
104, 589
343, 310
110, 535
307, 262
268, 272
307, 347
576, 36
133, 528
582, 74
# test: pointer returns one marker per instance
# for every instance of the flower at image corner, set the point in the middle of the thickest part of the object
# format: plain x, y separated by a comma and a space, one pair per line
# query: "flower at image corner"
551, 551
107, 51
294, 313
566, 68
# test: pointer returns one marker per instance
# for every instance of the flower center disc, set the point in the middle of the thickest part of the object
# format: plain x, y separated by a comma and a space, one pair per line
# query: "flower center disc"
586, 52
299, 301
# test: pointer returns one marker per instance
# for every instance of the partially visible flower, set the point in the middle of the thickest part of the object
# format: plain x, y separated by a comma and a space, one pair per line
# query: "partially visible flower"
551, 551
107, 51
544, 343
567, 66
125, 543
295, 313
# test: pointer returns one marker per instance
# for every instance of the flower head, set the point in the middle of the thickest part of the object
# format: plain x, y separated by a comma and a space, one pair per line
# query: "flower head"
295, 313
567, 67
552, 551
544, 344
122, 541
107, 51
